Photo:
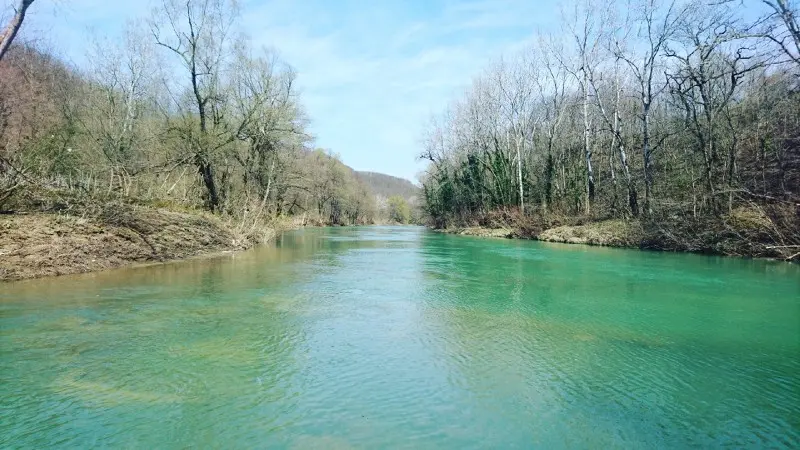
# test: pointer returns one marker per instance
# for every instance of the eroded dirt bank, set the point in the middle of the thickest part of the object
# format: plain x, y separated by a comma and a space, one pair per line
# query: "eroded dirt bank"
44, 244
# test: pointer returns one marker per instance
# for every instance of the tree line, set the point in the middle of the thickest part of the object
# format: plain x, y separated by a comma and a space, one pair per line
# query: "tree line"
181, 110
679, 114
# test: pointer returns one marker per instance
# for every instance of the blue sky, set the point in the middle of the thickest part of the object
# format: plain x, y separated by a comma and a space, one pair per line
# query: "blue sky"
371, 72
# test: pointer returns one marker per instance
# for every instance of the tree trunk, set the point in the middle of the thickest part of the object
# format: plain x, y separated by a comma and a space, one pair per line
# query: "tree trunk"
586, 146
212, 199
646, 158
519, 180
615, 196
13, 26
549, 176
633, 202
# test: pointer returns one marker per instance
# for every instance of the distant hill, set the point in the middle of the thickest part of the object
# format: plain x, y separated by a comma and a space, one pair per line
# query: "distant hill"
386, 185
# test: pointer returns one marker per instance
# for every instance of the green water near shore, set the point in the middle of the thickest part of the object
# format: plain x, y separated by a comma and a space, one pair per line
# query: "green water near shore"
383, 337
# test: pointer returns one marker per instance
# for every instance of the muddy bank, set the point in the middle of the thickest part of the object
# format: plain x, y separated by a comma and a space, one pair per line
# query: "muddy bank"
41, 244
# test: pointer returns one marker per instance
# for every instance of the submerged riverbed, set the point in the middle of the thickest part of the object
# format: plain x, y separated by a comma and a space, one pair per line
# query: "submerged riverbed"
384, 337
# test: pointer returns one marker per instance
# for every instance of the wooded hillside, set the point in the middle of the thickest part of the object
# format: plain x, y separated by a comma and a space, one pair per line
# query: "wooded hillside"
388, 185
181, 111
682, 115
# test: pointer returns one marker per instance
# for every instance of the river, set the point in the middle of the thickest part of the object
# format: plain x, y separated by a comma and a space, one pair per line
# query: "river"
398, 337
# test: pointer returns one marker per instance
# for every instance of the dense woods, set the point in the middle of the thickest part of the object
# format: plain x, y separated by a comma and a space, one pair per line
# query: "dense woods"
683, 116
181, 112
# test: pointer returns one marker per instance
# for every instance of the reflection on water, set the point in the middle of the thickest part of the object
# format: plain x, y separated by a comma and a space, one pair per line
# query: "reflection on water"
397, 337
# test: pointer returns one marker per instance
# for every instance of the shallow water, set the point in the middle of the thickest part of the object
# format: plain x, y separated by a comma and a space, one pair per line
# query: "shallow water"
402, 338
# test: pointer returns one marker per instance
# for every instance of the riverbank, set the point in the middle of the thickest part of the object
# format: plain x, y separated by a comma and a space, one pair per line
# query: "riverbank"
741, 233
612, 233
39, 244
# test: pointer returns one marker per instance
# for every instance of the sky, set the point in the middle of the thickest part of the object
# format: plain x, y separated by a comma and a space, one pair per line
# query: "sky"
371, 73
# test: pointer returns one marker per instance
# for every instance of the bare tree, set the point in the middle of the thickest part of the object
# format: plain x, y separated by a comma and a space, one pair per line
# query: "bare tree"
121, 89
516, 103
784, 27
705, 82
609, 104
552, 87
198, 33
268, 117
655, 25
585, 25
13, 26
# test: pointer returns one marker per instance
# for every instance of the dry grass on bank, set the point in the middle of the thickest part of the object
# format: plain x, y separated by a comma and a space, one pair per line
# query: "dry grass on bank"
37, 245
57, 235
771, 231
615, 233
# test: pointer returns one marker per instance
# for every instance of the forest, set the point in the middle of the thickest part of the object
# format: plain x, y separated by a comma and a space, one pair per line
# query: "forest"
680, 117
182, 112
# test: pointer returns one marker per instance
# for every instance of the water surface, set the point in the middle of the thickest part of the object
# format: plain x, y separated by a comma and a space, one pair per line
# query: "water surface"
404, 338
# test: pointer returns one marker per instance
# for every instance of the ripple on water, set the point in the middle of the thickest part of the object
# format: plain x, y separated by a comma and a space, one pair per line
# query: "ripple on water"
376, 338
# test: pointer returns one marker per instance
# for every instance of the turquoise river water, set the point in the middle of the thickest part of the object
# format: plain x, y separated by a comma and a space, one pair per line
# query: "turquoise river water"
383, 337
